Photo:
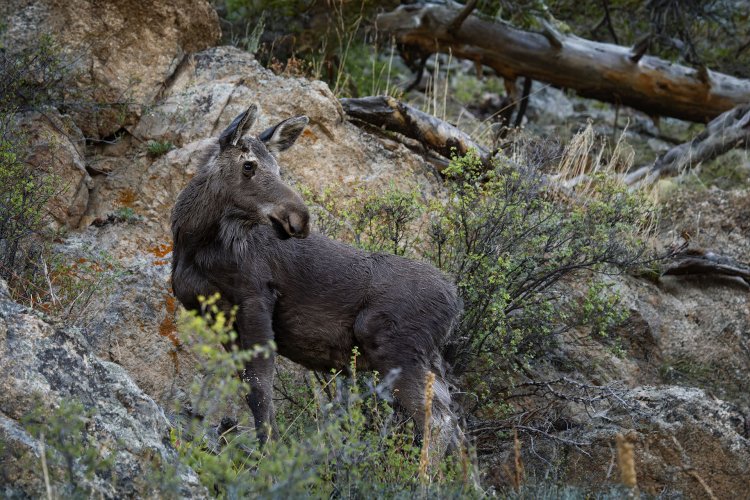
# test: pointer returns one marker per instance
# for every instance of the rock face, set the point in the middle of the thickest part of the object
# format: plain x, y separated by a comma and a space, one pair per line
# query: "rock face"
42, 367
686, 444
216, 85
122, 51
57, 149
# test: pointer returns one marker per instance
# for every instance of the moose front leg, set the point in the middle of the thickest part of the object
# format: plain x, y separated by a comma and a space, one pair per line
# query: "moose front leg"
254, 329
259, 374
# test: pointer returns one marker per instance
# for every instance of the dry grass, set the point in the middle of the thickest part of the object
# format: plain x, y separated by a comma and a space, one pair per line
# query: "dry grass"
626, 464
424, 457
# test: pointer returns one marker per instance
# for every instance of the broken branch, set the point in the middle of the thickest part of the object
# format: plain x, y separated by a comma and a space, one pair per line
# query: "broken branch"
393, 115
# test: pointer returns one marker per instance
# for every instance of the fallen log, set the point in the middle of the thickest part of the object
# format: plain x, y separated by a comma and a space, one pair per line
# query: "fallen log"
728, 131
702, 262
432, 132
602, 71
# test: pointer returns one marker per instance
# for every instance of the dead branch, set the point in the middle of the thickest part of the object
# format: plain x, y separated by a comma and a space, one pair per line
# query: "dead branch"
727, 131
393, 115
598, 70
461, 17
702, 262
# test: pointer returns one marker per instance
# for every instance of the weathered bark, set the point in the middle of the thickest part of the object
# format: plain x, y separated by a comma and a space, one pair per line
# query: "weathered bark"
601, 71
436, 134
694, 262
727, 131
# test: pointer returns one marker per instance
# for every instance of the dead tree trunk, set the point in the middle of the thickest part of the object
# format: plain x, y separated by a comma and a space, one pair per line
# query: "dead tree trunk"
728, 131
702, 262
601, 71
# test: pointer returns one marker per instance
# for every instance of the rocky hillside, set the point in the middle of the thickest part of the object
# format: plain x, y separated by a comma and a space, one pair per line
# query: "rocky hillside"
678, 390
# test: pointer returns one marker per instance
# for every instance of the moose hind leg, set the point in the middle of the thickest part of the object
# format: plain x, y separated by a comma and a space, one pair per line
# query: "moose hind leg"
390, 343
410, 391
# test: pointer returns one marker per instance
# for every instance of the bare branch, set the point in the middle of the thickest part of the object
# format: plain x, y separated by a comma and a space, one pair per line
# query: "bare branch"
697, 261
727, 131
461, 17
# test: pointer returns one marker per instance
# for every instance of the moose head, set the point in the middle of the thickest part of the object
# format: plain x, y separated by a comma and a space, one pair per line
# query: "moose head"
251, 173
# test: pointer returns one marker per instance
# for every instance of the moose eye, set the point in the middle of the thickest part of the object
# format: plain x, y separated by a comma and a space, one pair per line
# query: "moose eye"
249, 167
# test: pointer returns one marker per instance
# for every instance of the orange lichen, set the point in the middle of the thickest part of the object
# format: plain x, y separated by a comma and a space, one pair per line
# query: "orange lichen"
309, 134
160, 251
167, 327
126, 198
175, 360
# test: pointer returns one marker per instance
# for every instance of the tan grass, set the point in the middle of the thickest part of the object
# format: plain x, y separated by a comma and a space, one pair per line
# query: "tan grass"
626, 464
518, 463
424, 457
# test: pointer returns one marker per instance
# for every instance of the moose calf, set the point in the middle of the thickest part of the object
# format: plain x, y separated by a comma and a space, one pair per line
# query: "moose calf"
240, 231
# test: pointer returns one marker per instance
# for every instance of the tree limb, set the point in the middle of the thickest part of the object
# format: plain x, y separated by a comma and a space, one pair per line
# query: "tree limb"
393, 115
728, 131
697, 261
461, 17
598, 70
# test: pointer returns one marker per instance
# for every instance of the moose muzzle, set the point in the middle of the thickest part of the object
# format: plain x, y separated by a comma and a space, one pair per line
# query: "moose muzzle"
295, 220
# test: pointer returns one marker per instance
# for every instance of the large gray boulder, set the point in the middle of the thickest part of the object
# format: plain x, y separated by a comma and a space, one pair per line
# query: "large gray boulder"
124, 430
121, 52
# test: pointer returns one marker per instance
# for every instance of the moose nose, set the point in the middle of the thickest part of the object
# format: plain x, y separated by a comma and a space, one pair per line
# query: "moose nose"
299, 224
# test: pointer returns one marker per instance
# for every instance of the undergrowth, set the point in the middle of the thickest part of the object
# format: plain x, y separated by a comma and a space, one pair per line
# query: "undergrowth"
530, 261
339, 438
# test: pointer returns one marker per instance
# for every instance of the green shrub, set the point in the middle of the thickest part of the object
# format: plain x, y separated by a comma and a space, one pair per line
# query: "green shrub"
30, 78
527, 259
510, 245
34, 76
159, 148
23, 196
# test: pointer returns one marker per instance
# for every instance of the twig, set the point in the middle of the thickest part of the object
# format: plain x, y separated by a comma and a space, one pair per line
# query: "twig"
45, 471
556, 438
455, 25
52, 295
608, 20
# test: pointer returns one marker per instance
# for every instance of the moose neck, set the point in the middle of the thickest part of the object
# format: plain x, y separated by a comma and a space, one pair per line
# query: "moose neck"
200, 206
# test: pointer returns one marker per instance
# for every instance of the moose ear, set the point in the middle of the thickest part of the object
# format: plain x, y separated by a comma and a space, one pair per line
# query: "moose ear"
239, 127
281, 136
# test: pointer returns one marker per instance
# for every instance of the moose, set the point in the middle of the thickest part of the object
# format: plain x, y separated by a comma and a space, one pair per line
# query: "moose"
239, 230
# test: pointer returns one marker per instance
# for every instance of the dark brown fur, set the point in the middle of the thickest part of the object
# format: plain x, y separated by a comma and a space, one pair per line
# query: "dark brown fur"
315, 297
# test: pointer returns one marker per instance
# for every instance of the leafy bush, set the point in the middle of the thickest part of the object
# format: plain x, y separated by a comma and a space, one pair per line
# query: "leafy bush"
30, 78
34, 76
510, 245
513, 245
23, 196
